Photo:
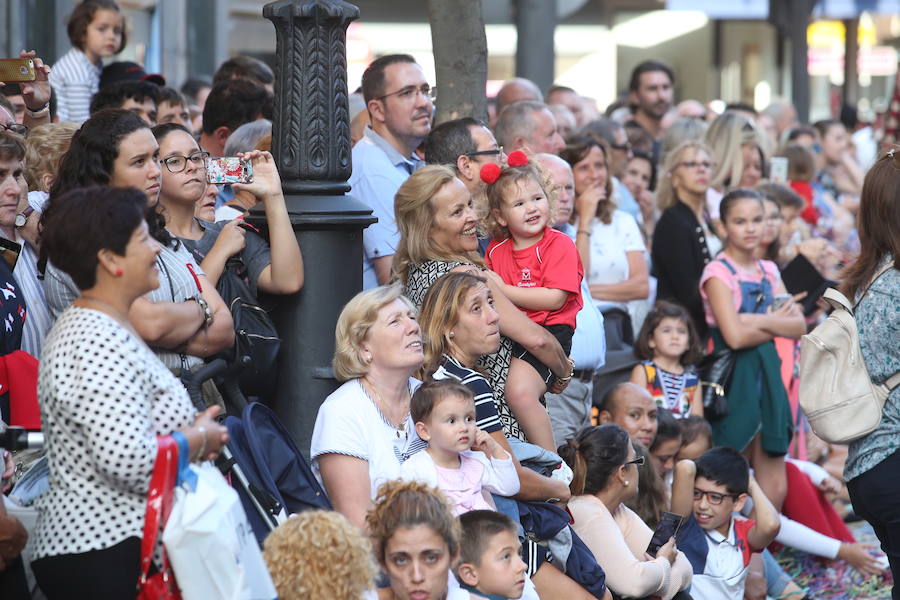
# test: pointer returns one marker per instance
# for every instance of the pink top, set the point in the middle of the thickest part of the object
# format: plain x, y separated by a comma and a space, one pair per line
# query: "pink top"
716, 269
462, 486
618, 541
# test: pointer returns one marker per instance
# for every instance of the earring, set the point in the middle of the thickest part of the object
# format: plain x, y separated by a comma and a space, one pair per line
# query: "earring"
451, 335
119, 272
626, 483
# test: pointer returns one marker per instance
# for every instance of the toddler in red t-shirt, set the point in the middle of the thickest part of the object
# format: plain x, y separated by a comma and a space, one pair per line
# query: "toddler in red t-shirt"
540, 272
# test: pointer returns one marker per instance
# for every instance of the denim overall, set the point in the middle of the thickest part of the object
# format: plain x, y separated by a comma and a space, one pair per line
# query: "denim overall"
756, 297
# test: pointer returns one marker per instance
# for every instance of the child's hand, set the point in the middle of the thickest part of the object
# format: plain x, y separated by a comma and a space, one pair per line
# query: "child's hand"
487, 444
830, 485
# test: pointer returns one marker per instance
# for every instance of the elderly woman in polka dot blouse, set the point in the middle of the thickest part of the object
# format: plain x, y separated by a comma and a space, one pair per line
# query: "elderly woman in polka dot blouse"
104, 398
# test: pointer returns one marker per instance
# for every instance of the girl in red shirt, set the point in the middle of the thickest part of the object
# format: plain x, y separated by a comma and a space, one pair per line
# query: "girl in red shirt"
540, 271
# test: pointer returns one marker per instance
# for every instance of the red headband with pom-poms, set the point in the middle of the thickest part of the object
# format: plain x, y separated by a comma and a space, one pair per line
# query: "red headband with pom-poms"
517, 158
490, 173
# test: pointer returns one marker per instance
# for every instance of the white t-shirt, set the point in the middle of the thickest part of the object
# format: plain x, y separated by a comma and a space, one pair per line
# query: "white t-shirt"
609, 246
349, 423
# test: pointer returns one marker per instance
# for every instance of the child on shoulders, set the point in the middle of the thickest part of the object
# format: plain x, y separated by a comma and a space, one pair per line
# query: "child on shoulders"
461, 460
539, 270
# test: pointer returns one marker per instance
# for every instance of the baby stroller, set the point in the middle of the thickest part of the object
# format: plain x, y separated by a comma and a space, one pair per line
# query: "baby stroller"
268, 471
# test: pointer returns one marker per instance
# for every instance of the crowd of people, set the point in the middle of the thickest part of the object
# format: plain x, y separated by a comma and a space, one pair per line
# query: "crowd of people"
483, 441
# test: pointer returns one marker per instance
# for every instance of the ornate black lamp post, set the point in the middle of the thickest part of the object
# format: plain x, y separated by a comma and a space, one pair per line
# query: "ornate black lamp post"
311, 144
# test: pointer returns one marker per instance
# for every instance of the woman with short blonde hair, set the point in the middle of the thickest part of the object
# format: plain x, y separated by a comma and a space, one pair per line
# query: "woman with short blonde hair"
684, 242
363, 431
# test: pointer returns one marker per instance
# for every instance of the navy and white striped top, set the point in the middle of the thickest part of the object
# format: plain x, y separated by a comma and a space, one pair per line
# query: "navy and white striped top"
74, 80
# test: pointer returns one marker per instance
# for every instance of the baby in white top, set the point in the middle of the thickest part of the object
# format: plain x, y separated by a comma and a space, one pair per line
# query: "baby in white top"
461, 460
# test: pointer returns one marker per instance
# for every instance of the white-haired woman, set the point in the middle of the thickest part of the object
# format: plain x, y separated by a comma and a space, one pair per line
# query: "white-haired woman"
363, 431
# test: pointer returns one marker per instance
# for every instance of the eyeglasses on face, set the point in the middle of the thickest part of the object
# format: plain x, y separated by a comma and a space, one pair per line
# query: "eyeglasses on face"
15, 128
697, 164
177, 163
638, 461
409, 93
714, 498
493, 152
621, 147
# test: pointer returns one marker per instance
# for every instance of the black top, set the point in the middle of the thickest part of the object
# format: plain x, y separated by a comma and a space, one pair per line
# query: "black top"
679, 255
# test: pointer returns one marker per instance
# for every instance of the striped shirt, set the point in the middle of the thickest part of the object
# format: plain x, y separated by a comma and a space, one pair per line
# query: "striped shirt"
486, 416
174, 280
74, 80
38, 320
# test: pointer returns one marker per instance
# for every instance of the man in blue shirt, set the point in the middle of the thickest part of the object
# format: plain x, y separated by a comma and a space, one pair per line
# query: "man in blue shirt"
399, 101
570, 411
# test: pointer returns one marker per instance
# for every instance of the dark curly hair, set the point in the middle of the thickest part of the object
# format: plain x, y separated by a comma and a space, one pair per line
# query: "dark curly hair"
594, 455
89, 162
87, 220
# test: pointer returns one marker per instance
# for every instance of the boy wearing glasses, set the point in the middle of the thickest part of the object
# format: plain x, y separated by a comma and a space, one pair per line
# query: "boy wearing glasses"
716, 540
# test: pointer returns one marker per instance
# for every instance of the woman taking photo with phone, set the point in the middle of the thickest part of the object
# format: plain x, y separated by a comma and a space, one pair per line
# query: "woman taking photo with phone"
183, 184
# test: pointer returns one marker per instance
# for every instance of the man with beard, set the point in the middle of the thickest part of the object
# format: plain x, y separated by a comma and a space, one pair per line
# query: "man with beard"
399, 101
650, 96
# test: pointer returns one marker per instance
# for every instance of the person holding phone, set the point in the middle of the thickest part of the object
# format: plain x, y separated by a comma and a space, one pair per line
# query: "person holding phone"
183, 183
184, 319
605, 463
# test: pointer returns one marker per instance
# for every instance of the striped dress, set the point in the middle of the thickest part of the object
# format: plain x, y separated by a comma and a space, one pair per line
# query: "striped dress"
74, 80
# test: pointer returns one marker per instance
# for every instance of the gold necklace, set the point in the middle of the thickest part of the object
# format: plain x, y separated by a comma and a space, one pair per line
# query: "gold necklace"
380, 404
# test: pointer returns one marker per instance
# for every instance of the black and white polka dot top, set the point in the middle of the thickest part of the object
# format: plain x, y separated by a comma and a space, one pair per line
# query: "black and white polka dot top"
104, 398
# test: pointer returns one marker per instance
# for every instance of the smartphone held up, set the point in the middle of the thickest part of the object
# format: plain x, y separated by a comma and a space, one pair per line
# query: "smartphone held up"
229, 169
17, 70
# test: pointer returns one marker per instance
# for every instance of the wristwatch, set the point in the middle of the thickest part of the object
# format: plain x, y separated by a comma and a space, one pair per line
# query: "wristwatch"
38, 112
22, 217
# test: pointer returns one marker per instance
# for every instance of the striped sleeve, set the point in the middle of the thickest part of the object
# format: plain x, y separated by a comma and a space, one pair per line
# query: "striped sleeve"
75, 81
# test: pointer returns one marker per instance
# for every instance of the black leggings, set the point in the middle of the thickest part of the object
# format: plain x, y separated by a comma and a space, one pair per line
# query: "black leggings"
108, 574
876, 497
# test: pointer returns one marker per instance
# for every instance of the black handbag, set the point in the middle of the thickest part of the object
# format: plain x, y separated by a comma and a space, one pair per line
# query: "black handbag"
715, 372
255, 336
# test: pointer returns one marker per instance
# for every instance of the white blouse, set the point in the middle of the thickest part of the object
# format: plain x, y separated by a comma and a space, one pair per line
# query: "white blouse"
609, 246
104, 398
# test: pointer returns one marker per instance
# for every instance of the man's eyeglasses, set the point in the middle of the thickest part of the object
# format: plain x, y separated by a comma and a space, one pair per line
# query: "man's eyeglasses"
621, 147
714, 498
15, 128
697, 164
492, 152
177, 164
409, 93
638, 461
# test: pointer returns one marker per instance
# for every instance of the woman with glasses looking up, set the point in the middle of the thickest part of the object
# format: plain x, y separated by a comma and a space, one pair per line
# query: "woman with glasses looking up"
605, 466
183, 185
683, 241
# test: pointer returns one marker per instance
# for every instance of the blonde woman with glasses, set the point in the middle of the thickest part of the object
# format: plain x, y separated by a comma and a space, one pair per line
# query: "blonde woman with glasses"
684, 242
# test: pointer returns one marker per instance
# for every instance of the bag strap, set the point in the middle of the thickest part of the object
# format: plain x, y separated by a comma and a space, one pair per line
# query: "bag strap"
159, 501
186, 476
878, 274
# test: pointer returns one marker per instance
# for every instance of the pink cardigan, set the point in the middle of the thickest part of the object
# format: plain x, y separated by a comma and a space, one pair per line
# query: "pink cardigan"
618, 541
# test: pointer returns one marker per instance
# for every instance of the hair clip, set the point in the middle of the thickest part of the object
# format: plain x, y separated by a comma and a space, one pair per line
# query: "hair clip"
517, 158
891, 153
490, 173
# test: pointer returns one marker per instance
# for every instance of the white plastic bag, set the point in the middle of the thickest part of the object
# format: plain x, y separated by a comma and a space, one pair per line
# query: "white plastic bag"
210, 544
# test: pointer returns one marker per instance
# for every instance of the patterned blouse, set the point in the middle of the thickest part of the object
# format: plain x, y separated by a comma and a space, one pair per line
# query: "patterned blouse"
878, 321
419, 281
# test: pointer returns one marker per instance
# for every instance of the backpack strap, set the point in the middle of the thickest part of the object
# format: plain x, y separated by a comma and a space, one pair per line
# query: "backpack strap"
837, 300
892, 381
